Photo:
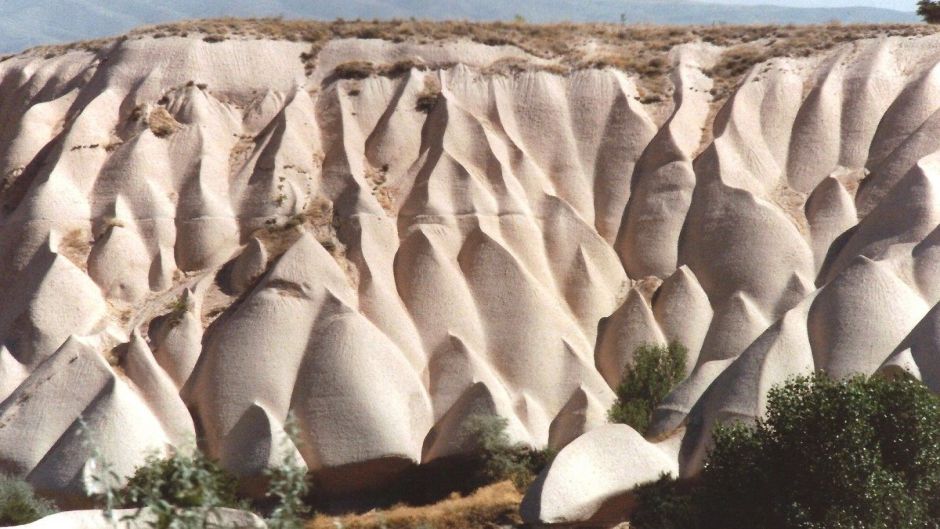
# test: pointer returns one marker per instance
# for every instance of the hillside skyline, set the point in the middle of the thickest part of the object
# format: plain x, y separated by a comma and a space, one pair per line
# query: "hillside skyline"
25, 24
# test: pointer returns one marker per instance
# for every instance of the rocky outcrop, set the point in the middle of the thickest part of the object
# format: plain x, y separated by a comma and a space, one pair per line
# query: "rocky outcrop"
212, 237
590, 480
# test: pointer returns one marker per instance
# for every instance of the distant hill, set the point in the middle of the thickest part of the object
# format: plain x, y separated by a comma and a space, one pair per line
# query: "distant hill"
25, 23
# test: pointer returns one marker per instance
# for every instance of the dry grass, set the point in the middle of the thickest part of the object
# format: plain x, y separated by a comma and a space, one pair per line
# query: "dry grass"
377, 177
161, 123
356, 70
76, 246
177, 311
489, 507
318, 219
642, 50
429, 96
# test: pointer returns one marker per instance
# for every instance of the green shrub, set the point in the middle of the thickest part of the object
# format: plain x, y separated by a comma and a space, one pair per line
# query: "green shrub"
288, 486
654, 372
929, 10
187, 489
664, 504
499, 458
829, 454
183, 491
19, 504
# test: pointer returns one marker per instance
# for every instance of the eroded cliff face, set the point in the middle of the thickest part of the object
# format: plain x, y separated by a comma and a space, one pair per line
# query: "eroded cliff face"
198, 239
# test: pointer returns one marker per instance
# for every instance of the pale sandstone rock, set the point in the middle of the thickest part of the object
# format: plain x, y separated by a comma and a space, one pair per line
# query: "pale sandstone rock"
75, 386
293, 244
249, 265
591, 478
683, 312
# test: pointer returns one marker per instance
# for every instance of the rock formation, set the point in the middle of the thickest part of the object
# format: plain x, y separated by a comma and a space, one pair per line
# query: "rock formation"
203, 238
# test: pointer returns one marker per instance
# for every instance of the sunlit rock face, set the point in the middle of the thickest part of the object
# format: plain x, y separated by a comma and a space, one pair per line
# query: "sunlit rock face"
202, 239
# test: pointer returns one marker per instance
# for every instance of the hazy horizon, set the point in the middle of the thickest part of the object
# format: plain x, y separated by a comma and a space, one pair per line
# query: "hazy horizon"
900, 5
26, 23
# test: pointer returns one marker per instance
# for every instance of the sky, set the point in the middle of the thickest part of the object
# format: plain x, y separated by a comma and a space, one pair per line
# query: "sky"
25, 23
901, 5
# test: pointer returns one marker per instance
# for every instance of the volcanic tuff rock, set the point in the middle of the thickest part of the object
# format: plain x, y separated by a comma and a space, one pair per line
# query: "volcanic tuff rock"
209, 237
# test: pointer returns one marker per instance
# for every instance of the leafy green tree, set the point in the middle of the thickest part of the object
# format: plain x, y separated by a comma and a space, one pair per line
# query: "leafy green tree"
181, 492
829, 454
654, 372
929, 10
19, 504
665, 504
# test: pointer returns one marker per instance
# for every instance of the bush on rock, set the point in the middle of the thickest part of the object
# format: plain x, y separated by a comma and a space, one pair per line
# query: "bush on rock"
654, 372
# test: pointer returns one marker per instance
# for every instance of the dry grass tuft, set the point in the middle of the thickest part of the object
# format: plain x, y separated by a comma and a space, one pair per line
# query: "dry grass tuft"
354, 70
177, 311
377, 178
429, 96
76, 246
492, 506
161, 123
357, 70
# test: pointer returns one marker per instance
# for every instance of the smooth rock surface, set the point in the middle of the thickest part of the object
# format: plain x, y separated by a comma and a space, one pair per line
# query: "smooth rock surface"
590, 479
213, 237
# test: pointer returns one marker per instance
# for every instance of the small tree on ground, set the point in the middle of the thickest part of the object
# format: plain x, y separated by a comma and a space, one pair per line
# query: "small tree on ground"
654, 372
181, 492
288, 485
829, 454
187, 490
665, 504
929, 10
500, 459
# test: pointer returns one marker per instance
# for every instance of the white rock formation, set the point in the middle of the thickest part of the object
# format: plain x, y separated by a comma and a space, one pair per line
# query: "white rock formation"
590, 480
211, 236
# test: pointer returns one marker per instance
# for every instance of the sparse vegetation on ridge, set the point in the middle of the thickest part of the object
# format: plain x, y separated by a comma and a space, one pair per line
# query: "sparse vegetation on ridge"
641, 50
161, 123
